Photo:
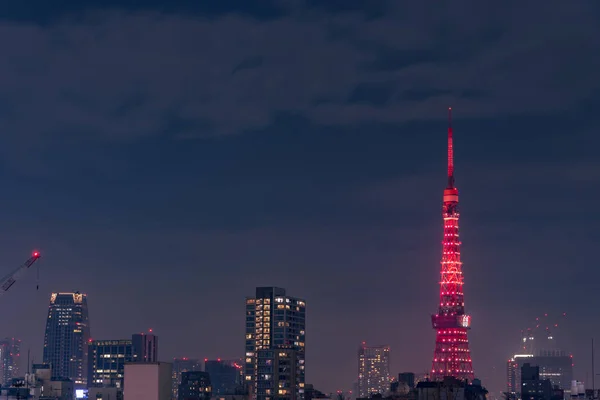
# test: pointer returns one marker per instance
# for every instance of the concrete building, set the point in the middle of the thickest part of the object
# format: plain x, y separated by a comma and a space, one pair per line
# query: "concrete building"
513, 374
181, 365
10, 353
277, 374
66, 337
105, 393
274, 321
373, 370
532, 387
42, 385
106, 362
148, 381
195, 385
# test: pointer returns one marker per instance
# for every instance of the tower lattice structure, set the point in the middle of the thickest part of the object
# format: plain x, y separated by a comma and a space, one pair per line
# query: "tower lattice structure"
452, 356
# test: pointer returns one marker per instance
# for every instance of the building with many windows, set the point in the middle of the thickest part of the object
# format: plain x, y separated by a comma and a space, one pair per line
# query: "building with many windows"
275, 336
181, 365
66, 337
106, 362
225, 376
10, 352
373, 370
195, 385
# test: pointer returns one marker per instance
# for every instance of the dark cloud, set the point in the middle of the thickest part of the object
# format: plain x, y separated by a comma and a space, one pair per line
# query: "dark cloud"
116, 75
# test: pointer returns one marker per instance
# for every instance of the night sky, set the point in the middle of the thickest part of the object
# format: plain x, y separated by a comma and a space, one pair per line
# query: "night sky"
168, 159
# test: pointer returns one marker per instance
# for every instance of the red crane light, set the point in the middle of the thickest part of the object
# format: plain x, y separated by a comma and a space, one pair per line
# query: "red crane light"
36, 254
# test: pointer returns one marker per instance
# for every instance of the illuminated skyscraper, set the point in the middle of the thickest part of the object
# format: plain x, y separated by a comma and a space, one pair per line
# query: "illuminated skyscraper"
275, 351
10, 352
373, 370
67, 335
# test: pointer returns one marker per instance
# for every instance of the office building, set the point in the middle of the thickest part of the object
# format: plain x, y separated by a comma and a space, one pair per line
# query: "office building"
224, 375
145, 347
147, 381
195, 385
181, 365
532, 387
513, 373
373, 370
554, 365
277, 372
10, 352
66, 337
274, 321
106, 362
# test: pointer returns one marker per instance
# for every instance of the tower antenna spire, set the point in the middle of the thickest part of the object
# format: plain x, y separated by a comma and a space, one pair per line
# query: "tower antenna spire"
450, 151
451, 356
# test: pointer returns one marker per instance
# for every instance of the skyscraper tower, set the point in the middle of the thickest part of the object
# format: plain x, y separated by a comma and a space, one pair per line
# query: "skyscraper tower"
275, 350
373, 370
67, 335
452, 356
10, 352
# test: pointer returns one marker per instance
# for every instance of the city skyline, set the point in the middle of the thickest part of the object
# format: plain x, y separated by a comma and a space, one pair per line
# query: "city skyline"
156, 170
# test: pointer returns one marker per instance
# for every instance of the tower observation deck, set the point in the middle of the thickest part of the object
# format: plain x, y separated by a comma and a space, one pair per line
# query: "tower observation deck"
452, 356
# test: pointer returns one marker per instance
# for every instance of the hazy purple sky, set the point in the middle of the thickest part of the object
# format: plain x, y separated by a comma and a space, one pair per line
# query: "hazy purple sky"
168, 159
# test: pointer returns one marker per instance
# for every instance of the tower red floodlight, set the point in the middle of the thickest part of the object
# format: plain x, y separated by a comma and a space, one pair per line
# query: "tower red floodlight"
452, 356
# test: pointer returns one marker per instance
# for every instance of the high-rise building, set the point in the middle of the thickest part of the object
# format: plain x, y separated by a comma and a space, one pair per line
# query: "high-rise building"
195, 385
541, 349
532, 387
181, 365
224, 375
452, 356
513, 373
275, 321
106, 363
145, 347
10, 352
67, 335
373, 370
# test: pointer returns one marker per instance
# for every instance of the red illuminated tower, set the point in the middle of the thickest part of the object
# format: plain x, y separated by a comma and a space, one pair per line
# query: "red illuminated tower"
452, 356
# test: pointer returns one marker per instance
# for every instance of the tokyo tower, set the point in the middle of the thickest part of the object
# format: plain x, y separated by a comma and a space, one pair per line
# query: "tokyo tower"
452, 356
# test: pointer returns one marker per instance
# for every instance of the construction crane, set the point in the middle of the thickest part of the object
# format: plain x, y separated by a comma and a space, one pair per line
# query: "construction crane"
10, 279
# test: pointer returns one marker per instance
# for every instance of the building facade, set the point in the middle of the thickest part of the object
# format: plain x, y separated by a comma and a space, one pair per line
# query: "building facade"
10, 352
106, 362
224, 376
145, 347
554, 365
195, 385
181, 365
373, 370
274, 321
147, 381
66, 337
